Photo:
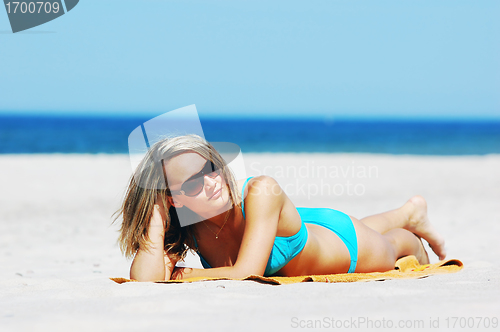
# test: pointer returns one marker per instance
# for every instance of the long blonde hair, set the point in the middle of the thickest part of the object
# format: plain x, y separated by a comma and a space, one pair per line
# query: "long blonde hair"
148, 183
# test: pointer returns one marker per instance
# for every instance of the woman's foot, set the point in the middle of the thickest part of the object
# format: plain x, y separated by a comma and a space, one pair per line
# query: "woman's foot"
419, 224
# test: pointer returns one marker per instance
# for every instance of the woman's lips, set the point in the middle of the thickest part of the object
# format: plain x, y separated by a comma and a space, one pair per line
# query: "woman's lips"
216, 194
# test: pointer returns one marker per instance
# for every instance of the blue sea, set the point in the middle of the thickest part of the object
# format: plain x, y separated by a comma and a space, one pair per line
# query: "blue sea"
58, 134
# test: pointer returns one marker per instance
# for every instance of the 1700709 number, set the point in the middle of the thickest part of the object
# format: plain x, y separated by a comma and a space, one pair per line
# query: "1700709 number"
471, 322
31, 7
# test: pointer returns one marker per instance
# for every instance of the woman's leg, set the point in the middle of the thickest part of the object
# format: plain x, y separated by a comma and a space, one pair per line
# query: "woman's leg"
379, 252
411, 216
385, 221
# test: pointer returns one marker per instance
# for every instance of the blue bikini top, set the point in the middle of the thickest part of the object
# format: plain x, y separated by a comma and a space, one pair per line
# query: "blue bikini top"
284, 248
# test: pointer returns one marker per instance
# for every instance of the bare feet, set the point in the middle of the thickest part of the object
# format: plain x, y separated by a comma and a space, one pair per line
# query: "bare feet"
419, 224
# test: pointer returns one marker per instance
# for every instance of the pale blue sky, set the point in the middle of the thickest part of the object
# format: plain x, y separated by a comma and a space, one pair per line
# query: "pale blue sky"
280, 58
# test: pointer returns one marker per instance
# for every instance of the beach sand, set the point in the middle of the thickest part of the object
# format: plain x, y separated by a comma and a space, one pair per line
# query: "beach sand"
58, 249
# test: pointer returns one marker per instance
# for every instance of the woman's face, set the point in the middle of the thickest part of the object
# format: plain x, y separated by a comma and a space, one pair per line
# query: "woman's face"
212, 200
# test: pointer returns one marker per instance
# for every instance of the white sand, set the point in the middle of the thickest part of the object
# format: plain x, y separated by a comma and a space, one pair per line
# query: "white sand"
58, 249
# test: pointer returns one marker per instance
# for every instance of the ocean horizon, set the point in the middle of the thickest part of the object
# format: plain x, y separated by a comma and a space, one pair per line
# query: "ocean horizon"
22, 134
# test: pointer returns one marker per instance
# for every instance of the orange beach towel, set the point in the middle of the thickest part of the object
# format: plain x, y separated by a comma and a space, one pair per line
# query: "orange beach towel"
406, 268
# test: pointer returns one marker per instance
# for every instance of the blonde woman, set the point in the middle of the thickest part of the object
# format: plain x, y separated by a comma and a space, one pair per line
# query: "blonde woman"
251, 226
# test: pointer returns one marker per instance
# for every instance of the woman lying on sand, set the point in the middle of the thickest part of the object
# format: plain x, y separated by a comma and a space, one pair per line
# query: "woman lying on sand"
251, 226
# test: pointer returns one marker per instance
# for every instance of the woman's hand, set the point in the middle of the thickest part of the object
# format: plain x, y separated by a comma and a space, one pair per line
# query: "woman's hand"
151, 263
156, 229
159, 213
179, 273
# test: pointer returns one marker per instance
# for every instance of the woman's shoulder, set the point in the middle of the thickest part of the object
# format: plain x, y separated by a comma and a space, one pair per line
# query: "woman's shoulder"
258, 184
261, 195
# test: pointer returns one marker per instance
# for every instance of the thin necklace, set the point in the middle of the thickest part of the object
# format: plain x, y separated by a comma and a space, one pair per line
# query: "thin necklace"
225, 221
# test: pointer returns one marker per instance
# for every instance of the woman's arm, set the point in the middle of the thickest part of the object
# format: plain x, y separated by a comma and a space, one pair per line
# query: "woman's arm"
263, 205
151, 263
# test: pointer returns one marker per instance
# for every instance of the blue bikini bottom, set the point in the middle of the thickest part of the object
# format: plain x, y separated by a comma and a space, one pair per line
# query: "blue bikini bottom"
339, 223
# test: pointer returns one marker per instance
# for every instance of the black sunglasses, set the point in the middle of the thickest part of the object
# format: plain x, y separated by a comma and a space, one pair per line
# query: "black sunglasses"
194, 185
